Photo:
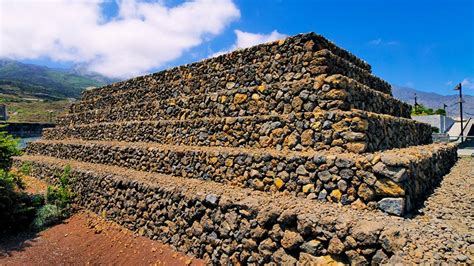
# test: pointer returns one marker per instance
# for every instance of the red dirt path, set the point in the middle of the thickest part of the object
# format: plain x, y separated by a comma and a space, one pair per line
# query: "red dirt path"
86, 238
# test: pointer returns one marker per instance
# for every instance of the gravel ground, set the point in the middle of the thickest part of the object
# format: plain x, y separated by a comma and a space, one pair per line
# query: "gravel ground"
444, 229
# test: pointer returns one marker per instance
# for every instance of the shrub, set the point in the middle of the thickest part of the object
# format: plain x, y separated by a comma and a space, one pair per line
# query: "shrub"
25, 168
17, 209
61, 195
47, 215
8, 148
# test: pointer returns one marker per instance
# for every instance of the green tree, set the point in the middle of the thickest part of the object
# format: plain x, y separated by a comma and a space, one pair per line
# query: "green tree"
9, 147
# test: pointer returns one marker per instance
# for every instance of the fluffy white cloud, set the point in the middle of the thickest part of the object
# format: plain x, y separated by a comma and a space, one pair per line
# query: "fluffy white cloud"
143, 35
468, 83
247, 39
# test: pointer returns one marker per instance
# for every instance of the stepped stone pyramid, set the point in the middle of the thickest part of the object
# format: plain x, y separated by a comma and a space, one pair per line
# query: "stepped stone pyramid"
251, 156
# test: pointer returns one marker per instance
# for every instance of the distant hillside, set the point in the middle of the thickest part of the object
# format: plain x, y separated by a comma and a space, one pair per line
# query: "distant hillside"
435, 101
40, 81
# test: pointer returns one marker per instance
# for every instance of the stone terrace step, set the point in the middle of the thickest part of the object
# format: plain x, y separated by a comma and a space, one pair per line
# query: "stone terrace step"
355, 131
326, 92
226, 224
142, 89
399, 178
285, 50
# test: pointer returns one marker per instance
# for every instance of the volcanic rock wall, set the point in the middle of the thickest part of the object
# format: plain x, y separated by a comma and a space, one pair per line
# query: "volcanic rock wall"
251, 156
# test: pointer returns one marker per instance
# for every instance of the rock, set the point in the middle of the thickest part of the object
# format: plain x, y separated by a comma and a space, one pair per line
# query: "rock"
258, 184
392, 205
212, 199
309, 260
367, 232
379, 258
254, 173
291, 140
342, 185
392, 239
282, 258
336, 195
313, 247
386, 187
392, 159
365, 192
307, 137
335, 246
230, 85
356, 147
249, 244
267, 247
324, 176
397, 174
240, 98
301, 170
461, 257
229, 162
322, 195
265, 141
279, 183
196, 229
267, 215
355, 258
262, 88
296, 103
291, 240
346, 174
308, 188
284, 176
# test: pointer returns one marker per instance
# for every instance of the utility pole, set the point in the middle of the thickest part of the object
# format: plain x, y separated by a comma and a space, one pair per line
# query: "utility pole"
459, 88
444, 108
416, 104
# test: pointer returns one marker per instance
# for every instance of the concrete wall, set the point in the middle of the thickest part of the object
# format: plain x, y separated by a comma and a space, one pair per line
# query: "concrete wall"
26, 130
442, 122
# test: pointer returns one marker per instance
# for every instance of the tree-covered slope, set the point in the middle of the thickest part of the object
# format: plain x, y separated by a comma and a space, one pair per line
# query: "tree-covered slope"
40, 80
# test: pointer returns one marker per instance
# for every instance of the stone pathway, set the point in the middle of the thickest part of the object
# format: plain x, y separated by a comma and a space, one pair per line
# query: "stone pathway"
444, 229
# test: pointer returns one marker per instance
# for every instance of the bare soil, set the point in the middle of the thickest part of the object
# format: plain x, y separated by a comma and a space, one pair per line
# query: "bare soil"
86, 238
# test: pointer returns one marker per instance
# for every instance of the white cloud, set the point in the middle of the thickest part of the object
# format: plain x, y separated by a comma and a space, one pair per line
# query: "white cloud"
376, 41
379, 41
448, 83
468, 83
248, 39
142, 36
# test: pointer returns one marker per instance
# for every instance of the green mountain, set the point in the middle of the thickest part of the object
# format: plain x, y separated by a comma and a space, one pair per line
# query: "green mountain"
44, 82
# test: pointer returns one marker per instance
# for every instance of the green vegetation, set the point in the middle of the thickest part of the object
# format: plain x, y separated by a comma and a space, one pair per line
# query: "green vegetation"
33, 110
42, 80
20, 210
422, 110
8, 149
38, 94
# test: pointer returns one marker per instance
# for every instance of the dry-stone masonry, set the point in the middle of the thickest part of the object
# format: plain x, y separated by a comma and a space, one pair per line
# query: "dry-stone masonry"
285, 152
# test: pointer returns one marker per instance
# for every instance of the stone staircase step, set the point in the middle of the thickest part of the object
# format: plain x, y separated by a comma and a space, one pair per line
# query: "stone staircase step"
356, 131
325, 92
286, 53
394, 179
226, 224
142, 88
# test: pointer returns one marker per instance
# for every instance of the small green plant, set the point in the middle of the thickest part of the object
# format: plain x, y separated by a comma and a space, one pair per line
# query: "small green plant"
61, 195
25, 168
47, 215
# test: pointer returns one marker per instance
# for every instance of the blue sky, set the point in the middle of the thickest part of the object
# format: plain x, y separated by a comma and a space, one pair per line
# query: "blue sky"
426, 45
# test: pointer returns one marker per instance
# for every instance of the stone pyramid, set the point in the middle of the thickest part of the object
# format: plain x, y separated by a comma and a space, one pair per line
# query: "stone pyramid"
252, 156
